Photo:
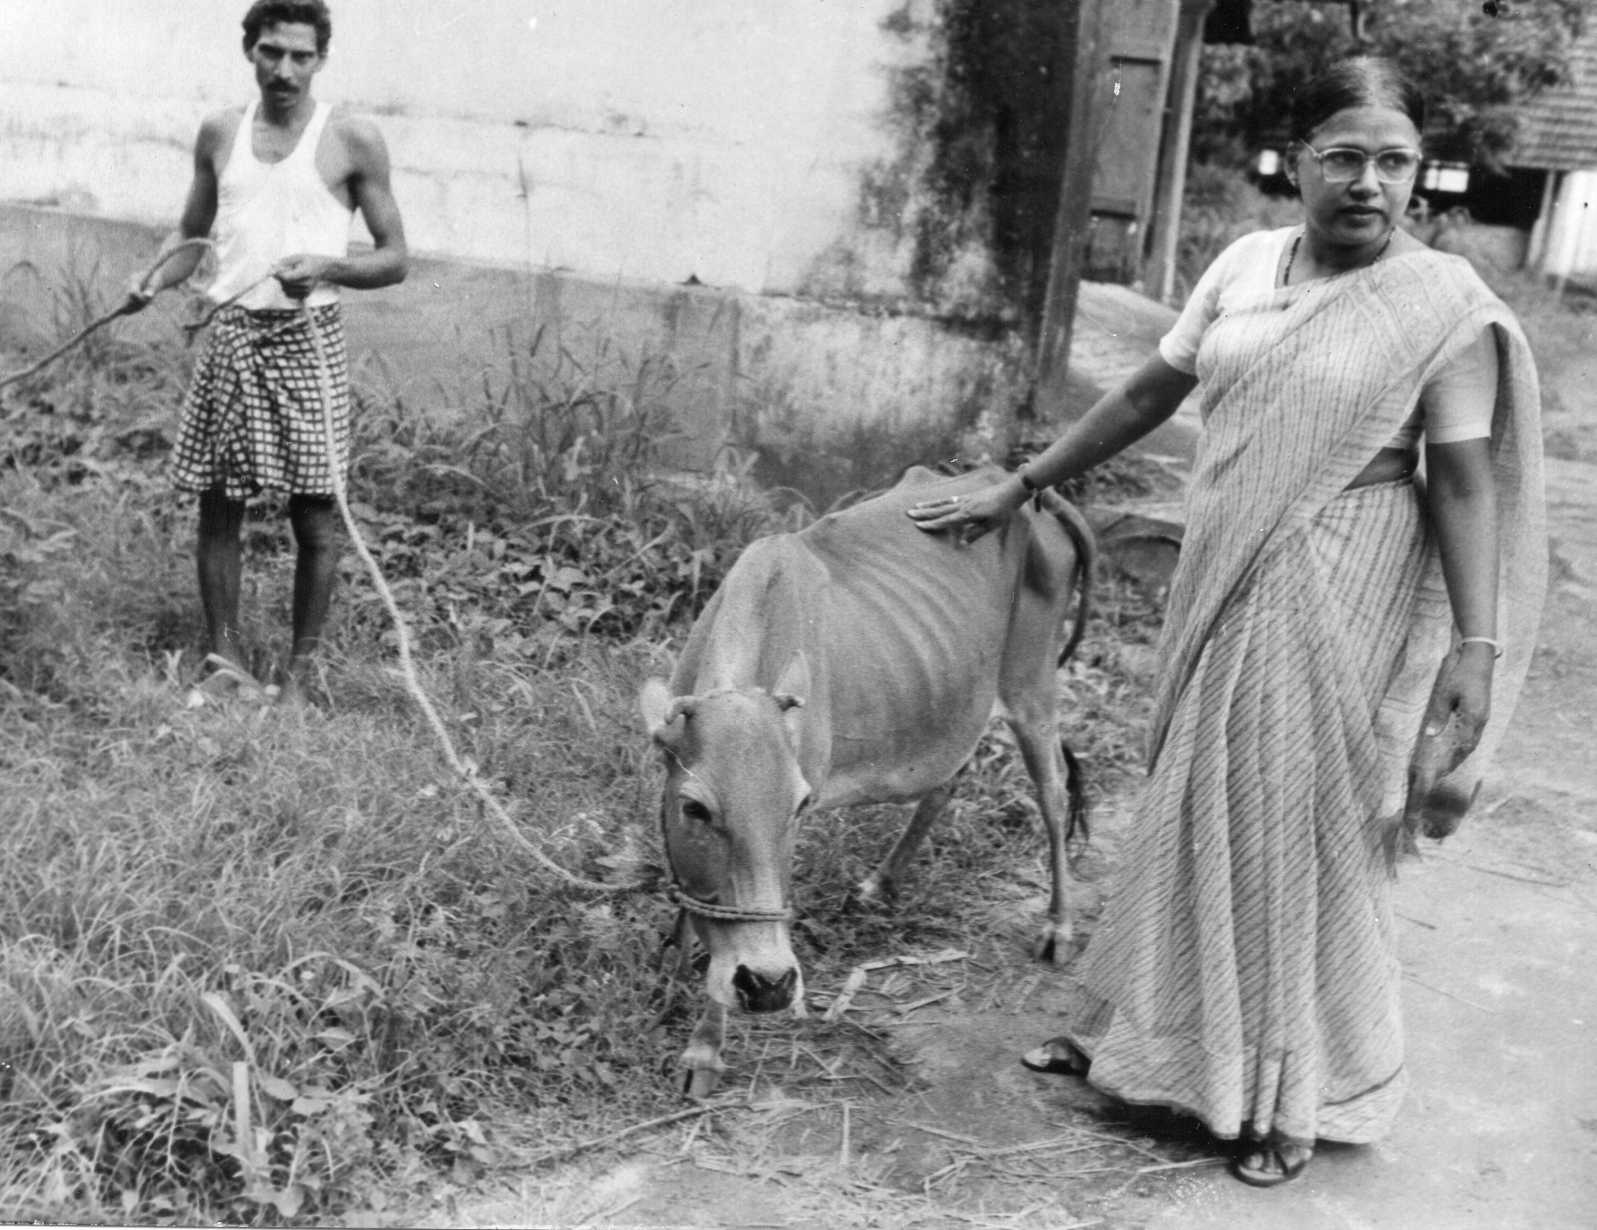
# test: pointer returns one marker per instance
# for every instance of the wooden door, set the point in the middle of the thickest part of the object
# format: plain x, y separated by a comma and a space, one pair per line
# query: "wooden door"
1138, 40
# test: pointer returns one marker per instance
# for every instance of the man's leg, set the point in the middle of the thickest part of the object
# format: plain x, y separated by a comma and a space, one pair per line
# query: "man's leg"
315, 522
219, 559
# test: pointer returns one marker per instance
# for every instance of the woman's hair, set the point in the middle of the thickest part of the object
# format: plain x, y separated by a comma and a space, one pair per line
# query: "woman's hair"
302, 12
1363, 81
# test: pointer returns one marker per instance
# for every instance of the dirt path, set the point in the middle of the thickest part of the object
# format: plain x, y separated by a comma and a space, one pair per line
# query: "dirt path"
1500, 1127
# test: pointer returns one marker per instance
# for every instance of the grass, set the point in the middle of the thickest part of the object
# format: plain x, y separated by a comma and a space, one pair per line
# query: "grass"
259, 969
268, 970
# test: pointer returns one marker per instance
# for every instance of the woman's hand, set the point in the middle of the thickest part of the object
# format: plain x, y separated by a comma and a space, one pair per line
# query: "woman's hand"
973, 514
1462, 694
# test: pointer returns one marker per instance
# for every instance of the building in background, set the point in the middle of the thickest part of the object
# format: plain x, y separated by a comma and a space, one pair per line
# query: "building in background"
1558, 143
841, 227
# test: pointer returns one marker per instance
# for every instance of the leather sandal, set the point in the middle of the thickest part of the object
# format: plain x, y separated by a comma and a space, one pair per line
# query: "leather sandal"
1274, 1168
1058, 1057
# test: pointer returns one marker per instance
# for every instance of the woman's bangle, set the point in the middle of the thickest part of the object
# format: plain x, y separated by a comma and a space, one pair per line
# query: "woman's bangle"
1497, 645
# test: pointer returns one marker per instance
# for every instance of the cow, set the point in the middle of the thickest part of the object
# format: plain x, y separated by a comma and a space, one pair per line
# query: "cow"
856, 661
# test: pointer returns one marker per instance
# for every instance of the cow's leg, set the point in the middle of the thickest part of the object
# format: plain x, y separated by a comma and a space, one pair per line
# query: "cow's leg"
882, 883
677, 954
1039, 747
1026, 694
702, 1058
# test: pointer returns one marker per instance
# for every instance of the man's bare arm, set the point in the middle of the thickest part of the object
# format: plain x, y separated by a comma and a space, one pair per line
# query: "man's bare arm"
372, 194
199, 214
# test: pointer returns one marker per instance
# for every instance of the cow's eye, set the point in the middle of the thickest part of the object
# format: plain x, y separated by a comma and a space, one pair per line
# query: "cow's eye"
696, 811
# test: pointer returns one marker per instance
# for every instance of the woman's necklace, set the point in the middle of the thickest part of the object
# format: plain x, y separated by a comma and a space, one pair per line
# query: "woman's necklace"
1286, 277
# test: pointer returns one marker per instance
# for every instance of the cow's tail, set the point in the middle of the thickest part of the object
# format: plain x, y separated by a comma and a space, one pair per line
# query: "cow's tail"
1077, 832
1069, 516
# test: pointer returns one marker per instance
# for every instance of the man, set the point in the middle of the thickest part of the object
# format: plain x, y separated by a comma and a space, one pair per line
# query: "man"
280, 181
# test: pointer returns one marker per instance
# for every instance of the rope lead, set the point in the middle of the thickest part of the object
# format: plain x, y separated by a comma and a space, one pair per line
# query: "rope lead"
467, 772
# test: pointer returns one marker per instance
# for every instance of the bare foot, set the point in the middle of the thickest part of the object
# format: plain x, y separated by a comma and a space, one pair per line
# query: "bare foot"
296, 685
223, 678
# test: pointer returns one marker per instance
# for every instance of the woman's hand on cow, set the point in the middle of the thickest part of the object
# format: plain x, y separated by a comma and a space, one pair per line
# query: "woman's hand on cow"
973, 514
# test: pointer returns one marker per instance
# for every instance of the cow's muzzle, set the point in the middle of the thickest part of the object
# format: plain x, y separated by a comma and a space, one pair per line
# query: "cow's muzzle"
757, 993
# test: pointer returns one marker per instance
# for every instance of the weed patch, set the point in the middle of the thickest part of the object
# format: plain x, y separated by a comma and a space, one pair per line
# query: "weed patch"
260, 968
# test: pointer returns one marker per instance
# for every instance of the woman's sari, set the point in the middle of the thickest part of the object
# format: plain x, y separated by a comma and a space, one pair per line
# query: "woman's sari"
1245, 968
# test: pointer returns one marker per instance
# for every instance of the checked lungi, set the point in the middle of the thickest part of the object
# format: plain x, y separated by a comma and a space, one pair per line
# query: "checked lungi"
252, 419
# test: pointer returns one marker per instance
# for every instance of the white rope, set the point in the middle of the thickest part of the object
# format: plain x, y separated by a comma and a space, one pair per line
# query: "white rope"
407, 669
725, 913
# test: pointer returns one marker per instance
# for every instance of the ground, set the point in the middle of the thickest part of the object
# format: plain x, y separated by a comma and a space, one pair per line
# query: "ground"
1500, 1126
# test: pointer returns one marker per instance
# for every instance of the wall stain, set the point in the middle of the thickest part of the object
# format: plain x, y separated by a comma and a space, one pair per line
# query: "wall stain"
978, 106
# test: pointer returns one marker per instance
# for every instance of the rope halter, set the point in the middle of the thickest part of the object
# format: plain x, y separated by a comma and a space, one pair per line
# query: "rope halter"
713, 911
716, 912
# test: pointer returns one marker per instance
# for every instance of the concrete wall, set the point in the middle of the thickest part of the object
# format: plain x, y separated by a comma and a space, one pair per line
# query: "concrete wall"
650, 140
1564, 244
791, 204
831, 399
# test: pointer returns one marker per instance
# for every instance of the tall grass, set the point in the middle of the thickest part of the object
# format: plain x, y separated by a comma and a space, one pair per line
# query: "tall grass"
260, 968
253, 963
192, 889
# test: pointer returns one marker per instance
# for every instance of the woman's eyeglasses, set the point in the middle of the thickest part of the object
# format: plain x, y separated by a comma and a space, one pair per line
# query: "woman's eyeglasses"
1340, 164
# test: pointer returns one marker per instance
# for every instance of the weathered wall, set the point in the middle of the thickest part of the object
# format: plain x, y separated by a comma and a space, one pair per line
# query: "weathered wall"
978, 102
1565, 242
640, 139
833, 399
862, 190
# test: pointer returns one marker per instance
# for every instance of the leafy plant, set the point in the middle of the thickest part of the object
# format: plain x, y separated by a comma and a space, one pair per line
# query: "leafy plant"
266, 969
252, 966
1476, 63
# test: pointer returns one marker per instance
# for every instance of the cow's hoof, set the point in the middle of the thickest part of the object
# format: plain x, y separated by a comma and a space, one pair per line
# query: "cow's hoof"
1054, 946
700, 1083
873, 893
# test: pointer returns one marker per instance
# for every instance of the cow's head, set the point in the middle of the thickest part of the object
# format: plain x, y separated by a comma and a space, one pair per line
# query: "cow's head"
733, 793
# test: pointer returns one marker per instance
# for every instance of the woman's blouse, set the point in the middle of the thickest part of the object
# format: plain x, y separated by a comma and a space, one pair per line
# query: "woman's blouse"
1456, 404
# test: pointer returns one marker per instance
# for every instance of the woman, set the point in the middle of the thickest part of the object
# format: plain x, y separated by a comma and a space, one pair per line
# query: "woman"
1244, 970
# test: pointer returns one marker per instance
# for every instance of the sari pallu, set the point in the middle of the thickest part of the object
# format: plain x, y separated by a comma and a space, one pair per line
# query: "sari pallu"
1245, 968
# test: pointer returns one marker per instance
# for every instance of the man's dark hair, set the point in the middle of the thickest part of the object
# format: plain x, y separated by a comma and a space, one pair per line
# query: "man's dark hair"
301, 12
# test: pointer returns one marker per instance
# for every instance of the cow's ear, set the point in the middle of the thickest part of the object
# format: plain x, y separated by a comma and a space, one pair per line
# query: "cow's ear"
658, 708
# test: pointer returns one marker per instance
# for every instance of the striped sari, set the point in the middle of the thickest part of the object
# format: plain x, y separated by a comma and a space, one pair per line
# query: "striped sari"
1245, 968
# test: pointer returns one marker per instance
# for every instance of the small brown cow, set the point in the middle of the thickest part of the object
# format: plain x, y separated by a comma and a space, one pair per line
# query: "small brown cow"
856, 661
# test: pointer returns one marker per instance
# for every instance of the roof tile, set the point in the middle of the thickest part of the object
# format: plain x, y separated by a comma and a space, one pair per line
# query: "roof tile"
1558, 128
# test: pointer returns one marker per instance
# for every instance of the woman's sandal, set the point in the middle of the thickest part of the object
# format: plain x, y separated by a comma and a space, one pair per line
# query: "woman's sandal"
1058, 1057
1279, 1161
